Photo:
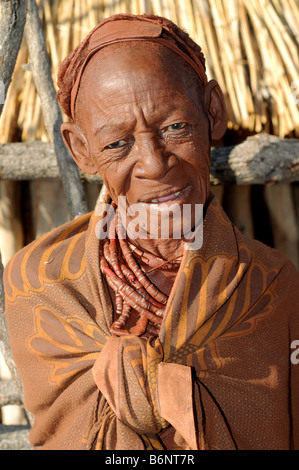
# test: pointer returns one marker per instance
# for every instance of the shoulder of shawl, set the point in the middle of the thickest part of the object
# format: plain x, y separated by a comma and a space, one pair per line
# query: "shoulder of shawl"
57, 255
270, 258
275, 271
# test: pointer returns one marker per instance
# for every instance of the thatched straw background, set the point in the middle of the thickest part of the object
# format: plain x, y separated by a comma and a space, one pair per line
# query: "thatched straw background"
251, 49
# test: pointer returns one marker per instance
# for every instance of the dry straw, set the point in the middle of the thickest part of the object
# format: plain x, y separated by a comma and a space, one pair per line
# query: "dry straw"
251, 49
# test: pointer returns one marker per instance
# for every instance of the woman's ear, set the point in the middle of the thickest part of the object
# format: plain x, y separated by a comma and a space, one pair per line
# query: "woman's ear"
215, 109
76, 142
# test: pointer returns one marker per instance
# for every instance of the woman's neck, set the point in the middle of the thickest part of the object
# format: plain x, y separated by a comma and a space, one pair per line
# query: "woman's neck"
167, 249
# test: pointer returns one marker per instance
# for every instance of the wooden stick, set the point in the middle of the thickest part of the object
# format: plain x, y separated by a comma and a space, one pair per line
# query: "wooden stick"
169, 10
51, 36
283, 220
234, 26
26, 133
282, 30
292, 9
13, 17
225, 57
156, 7
24, 96
4, 338
270, 63
66, 31
12, 235
85, 27
76, 25
264, 9
218, 192
185, 15
42, 77
238, 208
200, 38
253, 60
9, 116
203, 12
92, 14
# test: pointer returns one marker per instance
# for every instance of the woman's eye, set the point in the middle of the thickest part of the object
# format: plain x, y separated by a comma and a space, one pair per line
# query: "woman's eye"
117, 144
177, 126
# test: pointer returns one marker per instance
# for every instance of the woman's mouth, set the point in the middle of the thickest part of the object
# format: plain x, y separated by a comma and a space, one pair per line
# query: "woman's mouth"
170, 197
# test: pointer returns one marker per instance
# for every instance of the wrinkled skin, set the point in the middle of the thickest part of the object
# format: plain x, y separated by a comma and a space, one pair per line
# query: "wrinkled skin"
142, 124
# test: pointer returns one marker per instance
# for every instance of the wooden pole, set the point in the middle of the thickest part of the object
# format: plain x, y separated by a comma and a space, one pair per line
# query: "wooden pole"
282, 215
237, 205
13, 17
41, 71
4, 341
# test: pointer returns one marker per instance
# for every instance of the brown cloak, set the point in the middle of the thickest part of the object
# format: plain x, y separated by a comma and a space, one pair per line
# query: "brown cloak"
220, 373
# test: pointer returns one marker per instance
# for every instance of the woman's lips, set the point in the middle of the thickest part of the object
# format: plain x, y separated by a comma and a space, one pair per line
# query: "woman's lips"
171, 197
165, 198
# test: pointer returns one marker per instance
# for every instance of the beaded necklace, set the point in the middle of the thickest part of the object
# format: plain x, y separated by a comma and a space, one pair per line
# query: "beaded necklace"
132, 288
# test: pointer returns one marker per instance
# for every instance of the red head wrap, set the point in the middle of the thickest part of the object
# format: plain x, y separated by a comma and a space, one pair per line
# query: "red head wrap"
123, 28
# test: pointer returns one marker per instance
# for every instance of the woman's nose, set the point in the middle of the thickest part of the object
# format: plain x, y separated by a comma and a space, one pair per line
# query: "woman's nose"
153, 161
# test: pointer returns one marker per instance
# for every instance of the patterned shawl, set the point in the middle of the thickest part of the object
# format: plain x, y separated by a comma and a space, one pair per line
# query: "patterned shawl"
218, 377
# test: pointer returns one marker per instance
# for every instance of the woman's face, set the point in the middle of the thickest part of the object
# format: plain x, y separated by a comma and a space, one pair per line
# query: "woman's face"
145, 128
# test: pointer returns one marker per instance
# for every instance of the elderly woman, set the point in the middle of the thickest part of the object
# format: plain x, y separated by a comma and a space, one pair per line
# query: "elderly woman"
146, 342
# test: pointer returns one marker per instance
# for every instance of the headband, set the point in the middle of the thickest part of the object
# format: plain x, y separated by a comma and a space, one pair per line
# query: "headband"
122, 30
